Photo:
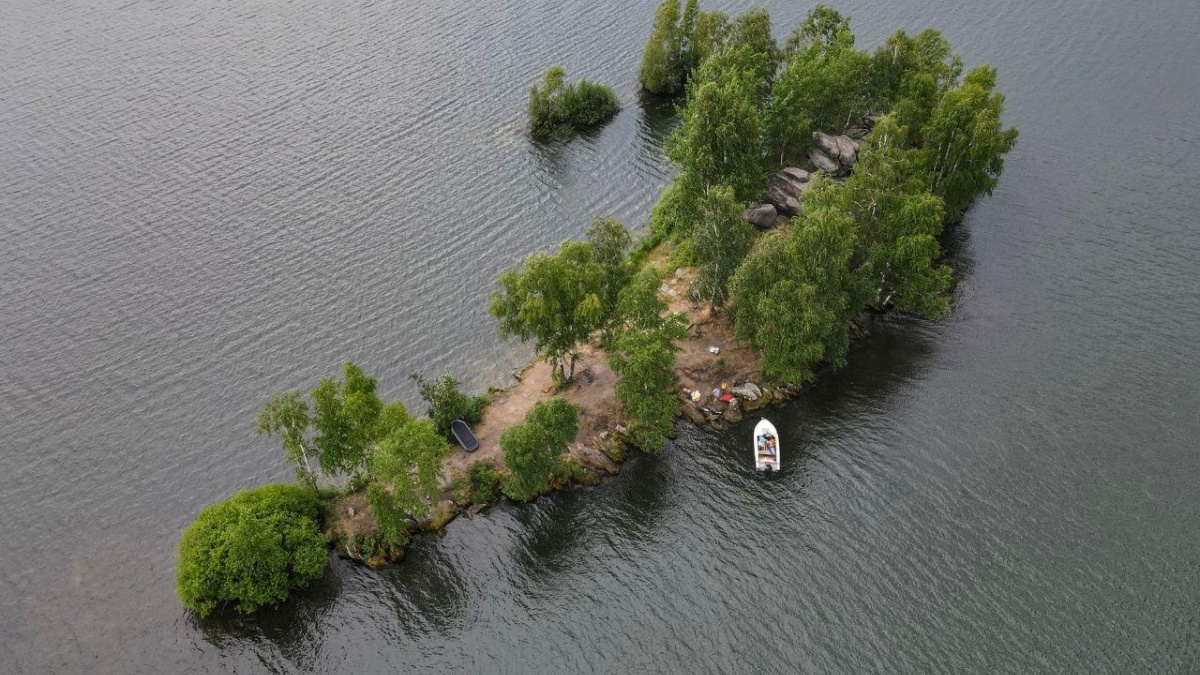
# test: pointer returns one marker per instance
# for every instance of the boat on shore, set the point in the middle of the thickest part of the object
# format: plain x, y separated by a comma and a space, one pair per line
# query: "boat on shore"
766, 446
464, 436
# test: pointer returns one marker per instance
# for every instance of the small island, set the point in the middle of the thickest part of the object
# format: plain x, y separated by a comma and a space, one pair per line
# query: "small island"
814, 181
558, 109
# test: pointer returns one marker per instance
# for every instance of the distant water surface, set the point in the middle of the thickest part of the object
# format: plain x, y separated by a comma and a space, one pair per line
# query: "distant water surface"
202, 203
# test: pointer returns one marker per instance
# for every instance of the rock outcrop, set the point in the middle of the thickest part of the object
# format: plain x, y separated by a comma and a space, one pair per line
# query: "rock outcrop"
823, 161
842, 151
785, 191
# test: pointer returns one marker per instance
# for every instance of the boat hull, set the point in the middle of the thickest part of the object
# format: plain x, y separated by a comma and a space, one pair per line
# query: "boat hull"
765, 447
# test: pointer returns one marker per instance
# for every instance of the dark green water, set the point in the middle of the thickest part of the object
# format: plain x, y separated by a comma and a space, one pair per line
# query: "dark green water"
203, 203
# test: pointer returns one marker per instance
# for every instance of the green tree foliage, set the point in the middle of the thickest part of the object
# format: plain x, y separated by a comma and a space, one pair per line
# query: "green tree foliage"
916, 68
532, 450
897, 221
393, 416
716, 142
286, 416
662, 69
251, 549
687, 36
405, 468
719, 243
642, 355
679, 44
823, 87
674, 212
751, 35
485, 482
347, 414
822, 27
965, 143
610, 245
638, 305
558, 109
796, 294
447, 403
556, 300
712, 32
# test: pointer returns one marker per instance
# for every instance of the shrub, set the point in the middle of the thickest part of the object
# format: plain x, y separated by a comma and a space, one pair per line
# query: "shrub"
484, 481
251, 549
447, 403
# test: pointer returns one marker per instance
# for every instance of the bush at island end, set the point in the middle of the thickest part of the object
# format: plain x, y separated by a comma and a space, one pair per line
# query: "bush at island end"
558, 109
251, 550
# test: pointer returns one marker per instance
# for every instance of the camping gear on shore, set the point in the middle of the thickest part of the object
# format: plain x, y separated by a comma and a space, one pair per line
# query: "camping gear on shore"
462, 434
766, 446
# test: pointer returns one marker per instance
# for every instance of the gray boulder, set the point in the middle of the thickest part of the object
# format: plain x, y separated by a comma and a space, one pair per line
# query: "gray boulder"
786, 190
828, 145
784, 201
761, 216
786, 193
823, 161
795, 175
748, 391
847, 150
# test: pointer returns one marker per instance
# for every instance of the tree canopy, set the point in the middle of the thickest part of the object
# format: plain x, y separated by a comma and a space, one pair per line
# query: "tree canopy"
720, 241
251, 549
662, 69
716, 142
286, 416
965, 143
897, 221
823, 27
405, 469
346, 414
532, 450
610, 247
795, 295
642, 354
556, 300
447, 403
822, 87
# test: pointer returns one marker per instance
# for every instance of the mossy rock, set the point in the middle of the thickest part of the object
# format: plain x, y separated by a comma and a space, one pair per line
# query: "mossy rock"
589, 478
615, 449
757, 404
443, 513
732, 416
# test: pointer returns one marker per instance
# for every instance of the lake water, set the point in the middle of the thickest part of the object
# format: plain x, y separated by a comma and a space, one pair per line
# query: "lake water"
203, 203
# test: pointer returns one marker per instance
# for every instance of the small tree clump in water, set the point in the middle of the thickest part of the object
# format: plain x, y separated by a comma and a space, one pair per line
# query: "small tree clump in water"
558, 109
